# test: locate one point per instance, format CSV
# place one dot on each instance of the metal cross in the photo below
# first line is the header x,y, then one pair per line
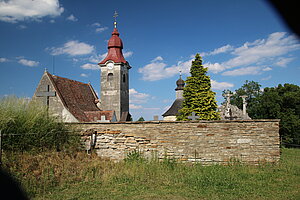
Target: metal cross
x,y
47,93
115,16
193,116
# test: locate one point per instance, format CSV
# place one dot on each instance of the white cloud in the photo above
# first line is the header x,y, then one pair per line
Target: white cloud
x,y
22,26
266,69
3,60
282,62
136,97
73,48
101,29
158,58
133,106
157,70
220,85
153,71
248,58
214,67
127,54
261,50
72,18
253,70
90,66
19,10
96,24
29,63
219,50
83,75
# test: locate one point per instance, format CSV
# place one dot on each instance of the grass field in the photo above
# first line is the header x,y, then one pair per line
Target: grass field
x,y
80,176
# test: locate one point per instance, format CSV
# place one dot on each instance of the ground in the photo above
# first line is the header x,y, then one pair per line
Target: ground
x,y
79,176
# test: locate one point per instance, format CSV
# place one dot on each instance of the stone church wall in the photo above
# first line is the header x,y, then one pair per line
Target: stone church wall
x,y
206,142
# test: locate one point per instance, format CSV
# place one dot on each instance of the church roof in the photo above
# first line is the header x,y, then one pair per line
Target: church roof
x,y
79,99
173,110
115,46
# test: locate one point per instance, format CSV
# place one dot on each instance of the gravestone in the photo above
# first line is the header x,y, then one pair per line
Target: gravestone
x,y
232,112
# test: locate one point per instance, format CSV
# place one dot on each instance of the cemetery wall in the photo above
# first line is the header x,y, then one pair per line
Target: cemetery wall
x,y
206,142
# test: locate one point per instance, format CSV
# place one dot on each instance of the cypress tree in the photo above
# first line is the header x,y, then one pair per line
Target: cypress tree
x,y
198,96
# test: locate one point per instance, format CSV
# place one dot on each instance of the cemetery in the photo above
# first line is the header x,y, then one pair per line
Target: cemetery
x,y
70,141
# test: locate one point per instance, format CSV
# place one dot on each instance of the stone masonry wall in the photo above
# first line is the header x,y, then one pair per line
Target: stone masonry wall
x,y
207,142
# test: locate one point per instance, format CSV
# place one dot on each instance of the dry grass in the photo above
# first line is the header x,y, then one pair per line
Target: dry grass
x,y
61,175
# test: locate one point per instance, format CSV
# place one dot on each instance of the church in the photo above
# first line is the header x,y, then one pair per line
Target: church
x,y
74,101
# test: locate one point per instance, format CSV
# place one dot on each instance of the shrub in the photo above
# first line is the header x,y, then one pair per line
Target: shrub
x,y
27,126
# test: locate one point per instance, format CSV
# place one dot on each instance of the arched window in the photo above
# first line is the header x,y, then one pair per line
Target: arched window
x,y
110,78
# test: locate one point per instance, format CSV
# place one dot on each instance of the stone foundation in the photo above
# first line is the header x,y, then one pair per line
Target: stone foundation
x,y
206,142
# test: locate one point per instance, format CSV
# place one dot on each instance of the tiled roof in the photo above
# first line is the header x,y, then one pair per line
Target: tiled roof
x,y
173,110
78,98
96,115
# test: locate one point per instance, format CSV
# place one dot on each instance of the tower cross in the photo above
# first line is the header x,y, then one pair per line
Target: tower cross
x,y
115,16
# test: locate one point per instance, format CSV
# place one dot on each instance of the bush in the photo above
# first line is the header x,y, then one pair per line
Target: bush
x,y
27,126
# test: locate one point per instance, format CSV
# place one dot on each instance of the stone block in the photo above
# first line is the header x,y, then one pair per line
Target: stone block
x,y
243,141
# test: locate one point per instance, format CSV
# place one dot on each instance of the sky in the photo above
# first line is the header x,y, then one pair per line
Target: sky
x,y
238,41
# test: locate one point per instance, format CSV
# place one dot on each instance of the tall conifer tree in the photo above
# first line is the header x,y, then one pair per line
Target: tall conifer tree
x,y
198,96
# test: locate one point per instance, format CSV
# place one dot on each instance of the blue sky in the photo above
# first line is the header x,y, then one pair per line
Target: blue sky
x,y
238,40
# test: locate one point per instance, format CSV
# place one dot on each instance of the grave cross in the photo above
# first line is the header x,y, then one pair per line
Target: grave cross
x,y
193,117
228,95
47,93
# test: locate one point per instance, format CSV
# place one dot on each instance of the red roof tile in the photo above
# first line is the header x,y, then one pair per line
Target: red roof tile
x,y
79,98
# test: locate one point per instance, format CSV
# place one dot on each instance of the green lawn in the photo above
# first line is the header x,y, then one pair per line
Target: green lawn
x,y
88,177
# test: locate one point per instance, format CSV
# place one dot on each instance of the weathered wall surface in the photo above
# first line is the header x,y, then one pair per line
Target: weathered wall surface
x,y
198,141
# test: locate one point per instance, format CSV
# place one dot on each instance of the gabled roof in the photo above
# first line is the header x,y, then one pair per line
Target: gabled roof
x,y
79,99
173,110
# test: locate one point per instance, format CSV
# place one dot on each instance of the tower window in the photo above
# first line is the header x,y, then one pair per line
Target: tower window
x,y
124,78
110,78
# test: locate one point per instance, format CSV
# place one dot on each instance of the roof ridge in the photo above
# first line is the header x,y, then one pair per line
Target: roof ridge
x,y
68,79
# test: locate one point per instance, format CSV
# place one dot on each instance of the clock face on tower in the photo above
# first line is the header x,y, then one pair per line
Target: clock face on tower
x,y
110,65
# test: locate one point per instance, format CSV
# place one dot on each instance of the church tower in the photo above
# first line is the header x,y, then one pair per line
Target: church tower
x,y
115,78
